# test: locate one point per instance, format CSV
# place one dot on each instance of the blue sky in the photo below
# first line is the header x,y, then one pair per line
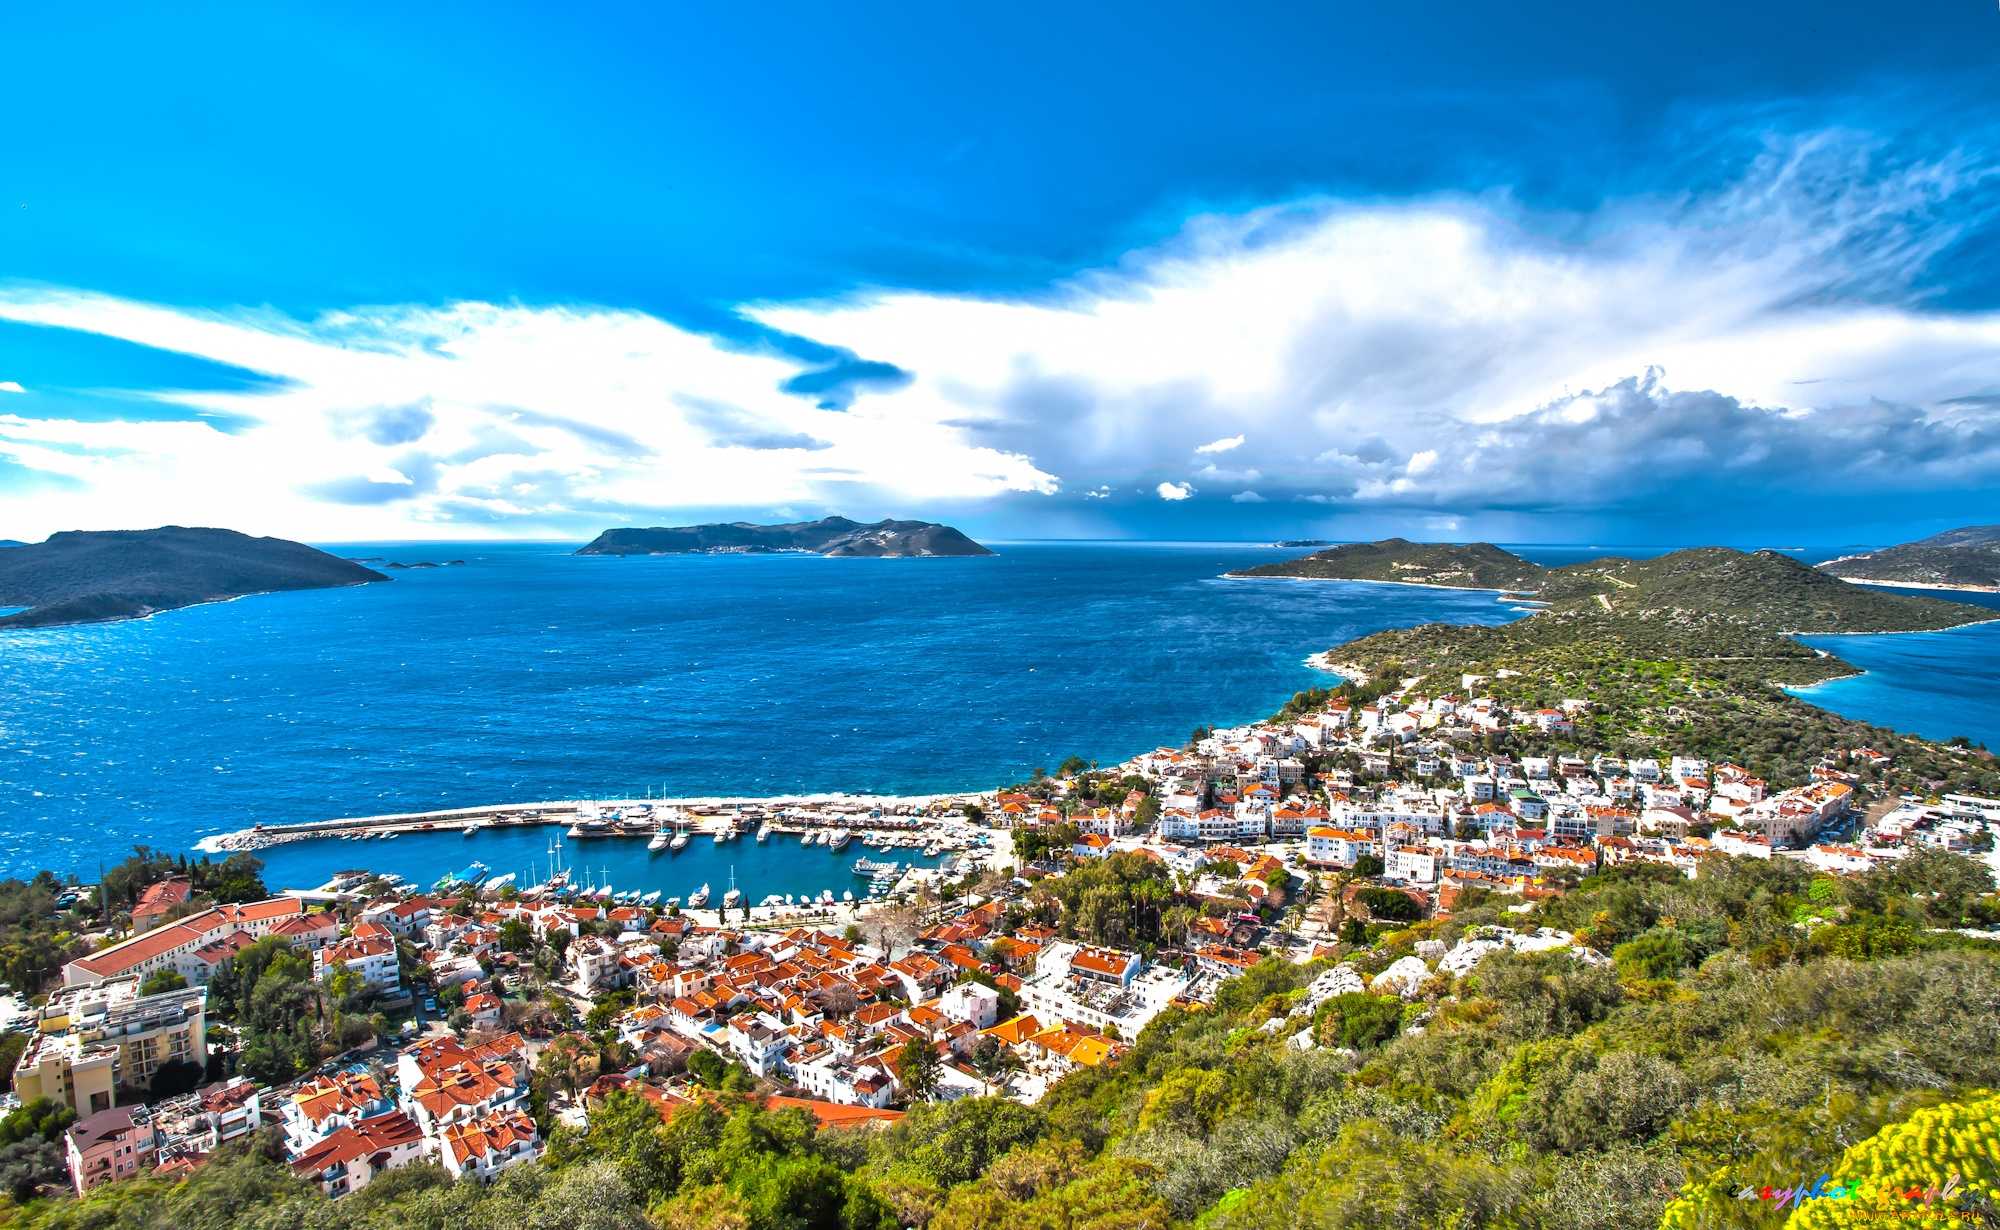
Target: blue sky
x,y
1545,272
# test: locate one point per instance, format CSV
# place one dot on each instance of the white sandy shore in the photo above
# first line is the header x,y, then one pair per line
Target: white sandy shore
x,y
1962,589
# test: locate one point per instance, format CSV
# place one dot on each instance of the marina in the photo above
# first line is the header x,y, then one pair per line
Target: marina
x,y
621,853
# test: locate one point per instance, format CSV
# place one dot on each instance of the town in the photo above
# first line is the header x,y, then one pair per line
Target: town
x,y
465,1025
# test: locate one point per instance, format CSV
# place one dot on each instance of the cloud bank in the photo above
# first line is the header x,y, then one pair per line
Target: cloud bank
x,y
1770,343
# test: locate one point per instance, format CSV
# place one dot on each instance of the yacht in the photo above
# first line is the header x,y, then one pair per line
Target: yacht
x,y
763,832
651,898
698,898
659,842
470,829
734,896
721,835
838,840
679,842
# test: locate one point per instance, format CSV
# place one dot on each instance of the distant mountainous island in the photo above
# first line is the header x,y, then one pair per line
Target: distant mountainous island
x,y
1479,565
1965,558
96,576
831,536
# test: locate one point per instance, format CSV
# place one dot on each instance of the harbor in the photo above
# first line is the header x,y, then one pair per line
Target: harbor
x,y
784,858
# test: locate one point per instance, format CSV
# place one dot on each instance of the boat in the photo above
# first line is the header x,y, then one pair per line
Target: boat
x,y
721,835
591,828
470,829
679,842
869,867
731,898
659,842
698,898
651,898
461,879
763,832
838,840
932,851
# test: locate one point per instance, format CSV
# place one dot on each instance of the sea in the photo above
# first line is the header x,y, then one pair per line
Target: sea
x,y
531,673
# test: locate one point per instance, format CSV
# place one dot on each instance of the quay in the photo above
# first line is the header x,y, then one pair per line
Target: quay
x,y
787,815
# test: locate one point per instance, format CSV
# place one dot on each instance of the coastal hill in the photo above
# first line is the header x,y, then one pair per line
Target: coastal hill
x,y
95,576
1700,639
831,536
1966,558
1479,565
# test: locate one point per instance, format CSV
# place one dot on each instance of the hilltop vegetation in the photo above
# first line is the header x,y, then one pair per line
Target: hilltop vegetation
x,y
1684,654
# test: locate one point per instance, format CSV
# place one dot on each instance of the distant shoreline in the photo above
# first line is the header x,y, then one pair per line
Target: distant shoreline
x,y
1456,589
1958,589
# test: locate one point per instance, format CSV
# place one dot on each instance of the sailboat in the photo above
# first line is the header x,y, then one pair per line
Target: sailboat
x,y
734,895
659,842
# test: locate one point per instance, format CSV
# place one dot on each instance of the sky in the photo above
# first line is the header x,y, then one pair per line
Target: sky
x,y
1551,272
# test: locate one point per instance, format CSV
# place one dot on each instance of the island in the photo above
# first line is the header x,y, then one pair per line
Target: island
x,y
97,576
1480,565
836,537
1964,558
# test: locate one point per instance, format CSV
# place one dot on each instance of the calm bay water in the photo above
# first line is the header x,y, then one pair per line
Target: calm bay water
x,y
531,673
1936,684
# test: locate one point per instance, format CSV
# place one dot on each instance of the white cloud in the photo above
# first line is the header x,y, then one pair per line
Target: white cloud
x,y
10,386
470,419
1337,341
1246,497
1436,356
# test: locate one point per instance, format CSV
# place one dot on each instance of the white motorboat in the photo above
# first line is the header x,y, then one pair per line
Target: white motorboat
x,y
470,829
659,842
679,842
698,898
764,832
838,840
721,835
651,898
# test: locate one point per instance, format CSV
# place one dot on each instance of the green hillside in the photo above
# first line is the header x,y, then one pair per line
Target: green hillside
x,y
1479,565
1684,653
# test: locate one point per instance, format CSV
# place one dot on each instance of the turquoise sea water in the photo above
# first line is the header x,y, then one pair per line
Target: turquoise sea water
x,y
1936,684
532,673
